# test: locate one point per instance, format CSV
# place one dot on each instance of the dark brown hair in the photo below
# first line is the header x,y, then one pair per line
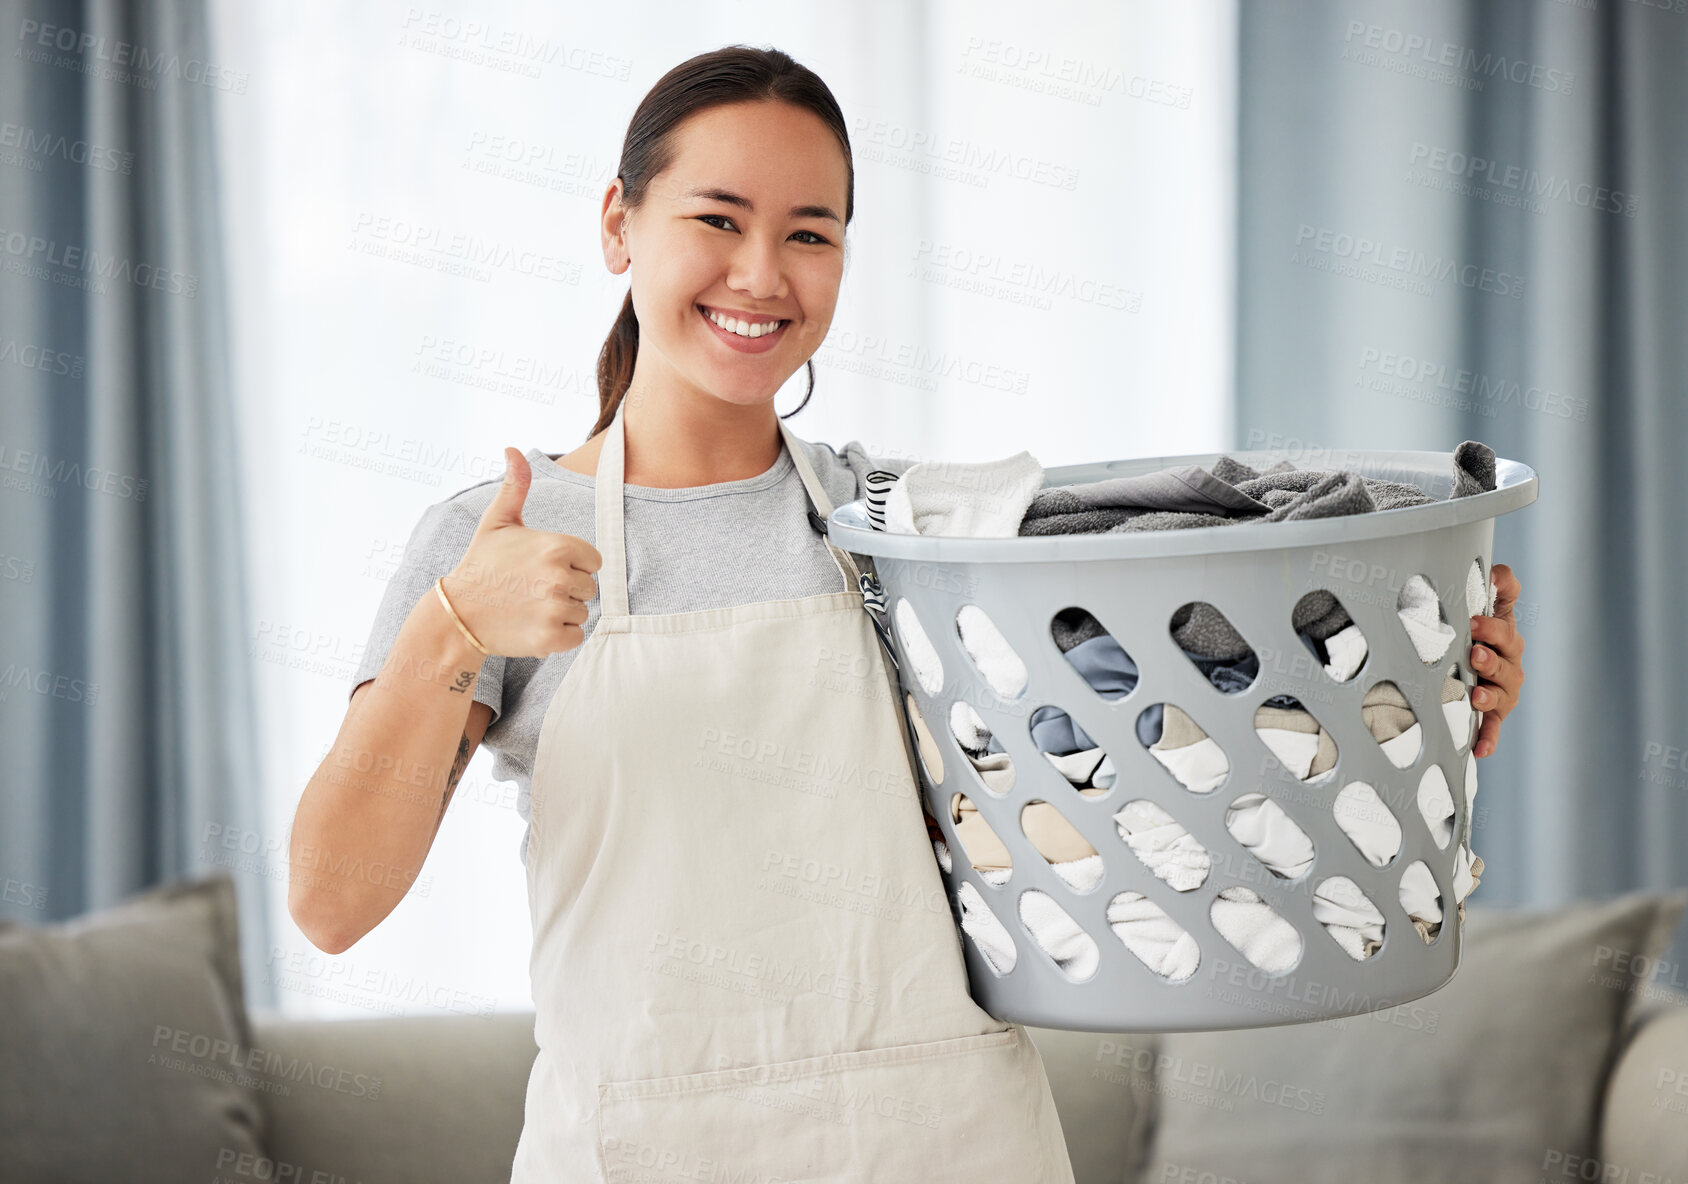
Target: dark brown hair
x,y
732,74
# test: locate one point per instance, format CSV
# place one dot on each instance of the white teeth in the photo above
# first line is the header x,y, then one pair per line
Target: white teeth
x,y
742,328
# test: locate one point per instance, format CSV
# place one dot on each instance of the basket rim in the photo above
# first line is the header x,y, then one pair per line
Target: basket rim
x,y
1516,484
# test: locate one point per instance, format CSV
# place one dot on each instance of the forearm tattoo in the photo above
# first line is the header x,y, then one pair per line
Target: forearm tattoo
x,y
464,682
457,767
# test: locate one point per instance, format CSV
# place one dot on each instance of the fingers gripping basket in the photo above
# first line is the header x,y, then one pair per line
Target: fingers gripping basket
x,y
1133,584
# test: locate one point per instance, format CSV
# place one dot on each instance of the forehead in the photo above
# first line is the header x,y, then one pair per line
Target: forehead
x,y
775,149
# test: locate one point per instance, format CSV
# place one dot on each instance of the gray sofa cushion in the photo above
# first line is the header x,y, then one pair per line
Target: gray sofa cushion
x,y
116,1044
1104,1087
418,1100
1644,1128
1488,1079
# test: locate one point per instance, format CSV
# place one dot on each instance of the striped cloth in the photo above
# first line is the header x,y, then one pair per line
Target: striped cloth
x,y
873,596
877,485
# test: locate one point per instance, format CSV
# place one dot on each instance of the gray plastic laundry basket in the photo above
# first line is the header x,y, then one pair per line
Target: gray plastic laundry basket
x,y
1132,583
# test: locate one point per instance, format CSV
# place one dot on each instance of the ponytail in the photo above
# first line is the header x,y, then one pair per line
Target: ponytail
x,y
615,364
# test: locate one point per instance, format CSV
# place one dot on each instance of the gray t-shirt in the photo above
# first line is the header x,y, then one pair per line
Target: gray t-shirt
x,y
699,547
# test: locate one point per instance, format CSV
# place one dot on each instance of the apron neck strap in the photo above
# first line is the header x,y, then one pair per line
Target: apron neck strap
x,y
609,507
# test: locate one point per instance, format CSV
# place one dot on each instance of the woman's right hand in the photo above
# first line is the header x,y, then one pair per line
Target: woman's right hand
x,y
522,592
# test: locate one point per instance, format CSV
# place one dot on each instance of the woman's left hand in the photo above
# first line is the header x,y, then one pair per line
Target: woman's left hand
x,y
1498,660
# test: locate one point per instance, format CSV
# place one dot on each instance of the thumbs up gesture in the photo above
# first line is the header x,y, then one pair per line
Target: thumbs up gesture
x,y
522,592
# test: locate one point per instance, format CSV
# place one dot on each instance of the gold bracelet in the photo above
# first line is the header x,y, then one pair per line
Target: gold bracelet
x,y
439,586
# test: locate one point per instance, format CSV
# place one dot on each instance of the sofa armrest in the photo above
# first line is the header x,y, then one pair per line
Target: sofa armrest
x,y
423,1099
1644,1124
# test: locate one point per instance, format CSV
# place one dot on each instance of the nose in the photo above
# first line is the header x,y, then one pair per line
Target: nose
x,y
755,269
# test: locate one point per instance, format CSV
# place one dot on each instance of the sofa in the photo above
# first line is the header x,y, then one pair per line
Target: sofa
x,y
1559,1051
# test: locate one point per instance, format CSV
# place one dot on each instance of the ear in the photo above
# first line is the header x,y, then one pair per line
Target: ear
x,y
612,229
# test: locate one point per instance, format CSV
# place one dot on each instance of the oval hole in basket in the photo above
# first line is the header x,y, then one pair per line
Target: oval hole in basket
x,y
1362,936
1296,737
1392,723
985,930
1162,845
995,659
927,668
1257,822
987,853
1173,738
1078,758
1257,930
1436,805
1457,710
1154,939
931,760
1339,652
1420,611
1477,589
1061,844
994,766
1231,674
1470,789
1092,651
1368,822
1421,900
1054,932
1467,865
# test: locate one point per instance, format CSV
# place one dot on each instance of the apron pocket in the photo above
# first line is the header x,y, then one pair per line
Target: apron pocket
x,y
968,1108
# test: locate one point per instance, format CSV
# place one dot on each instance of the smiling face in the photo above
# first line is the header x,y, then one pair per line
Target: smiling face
x,y
747,221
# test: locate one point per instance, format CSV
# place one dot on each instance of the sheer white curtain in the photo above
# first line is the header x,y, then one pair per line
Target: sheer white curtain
x,y
1041,258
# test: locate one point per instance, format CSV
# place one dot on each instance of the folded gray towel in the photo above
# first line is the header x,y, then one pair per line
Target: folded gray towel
x,y
1188,489
1283,492
1187,496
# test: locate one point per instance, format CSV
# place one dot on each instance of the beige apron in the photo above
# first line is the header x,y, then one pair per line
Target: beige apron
x,y
744,965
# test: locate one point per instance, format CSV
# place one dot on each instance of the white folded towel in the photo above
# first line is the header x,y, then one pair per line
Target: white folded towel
x,y
1350,917
1073,950
1200,767
1163,845
1255,928
979,500
1436,803
1368,822
1159,942
969,727
985,644
1480,592
1260,824
1420,611
1418,894
918,646
1346,649
1458,713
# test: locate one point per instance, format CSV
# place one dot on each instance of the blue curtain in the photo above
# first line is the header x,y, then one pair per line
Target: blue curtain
x,y
126,696
1467,220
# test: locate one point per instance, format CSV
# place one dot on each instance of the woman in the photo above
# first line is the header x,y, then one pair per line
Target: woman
x,y
704,1008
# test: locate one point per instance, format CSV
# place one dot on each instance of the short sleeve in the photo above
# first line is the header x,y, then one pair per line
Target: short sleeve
x,y
437,544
